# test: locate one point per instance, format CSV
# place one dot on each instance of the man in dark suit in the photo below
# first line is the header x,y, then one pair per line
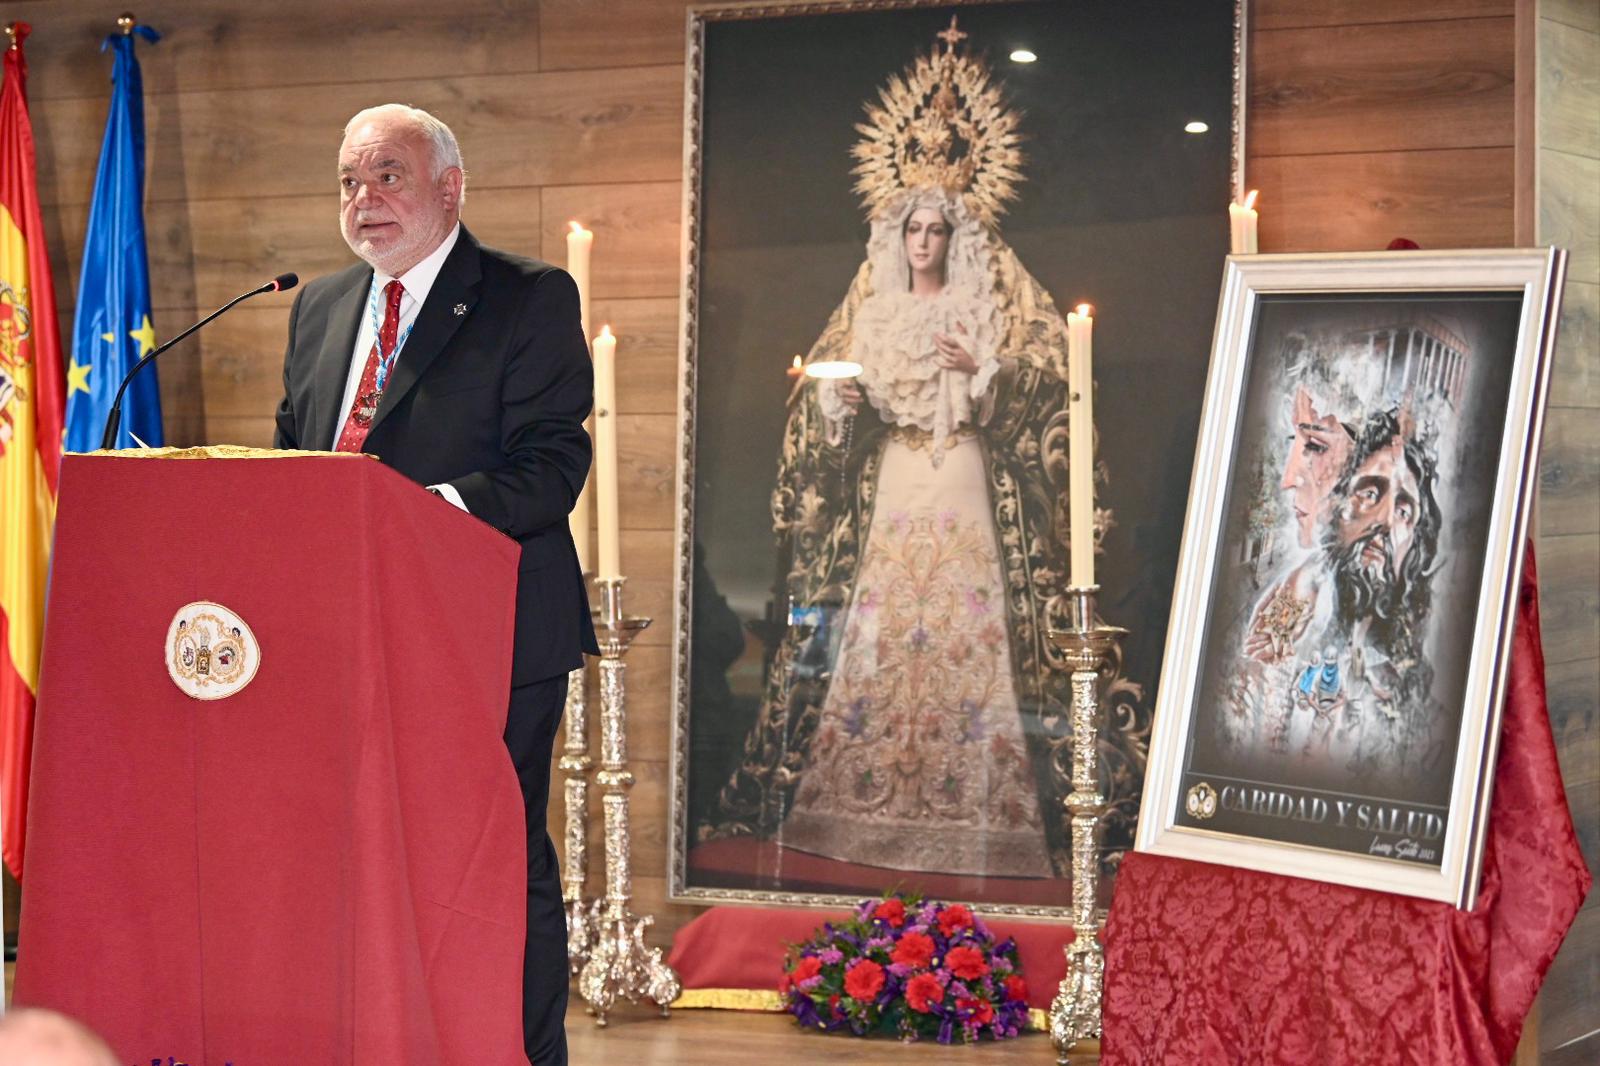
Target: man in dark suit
x,y
466,370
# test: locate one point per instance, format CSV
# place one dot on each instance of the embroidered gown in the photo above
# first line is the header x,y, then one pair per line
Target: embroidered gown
x,y
920,723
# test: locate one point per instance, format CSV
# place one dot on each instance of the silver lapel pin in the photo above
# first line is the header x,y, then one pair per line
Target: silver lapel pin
x,y
460,309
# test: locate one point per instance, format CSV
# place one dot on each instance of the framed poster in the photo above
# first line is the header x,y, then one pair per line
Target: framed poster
x,y
1330,702
869,565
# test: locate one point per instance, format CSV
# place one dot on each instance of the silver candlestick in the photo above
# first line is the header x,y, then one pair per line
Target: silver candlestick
x,y
1088,646
619,963
575,763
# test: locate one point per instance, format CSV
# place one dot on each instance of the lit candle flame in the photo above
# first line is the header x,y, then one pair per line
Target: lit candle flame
x,y
577,227
1250,200
1085,310
605,331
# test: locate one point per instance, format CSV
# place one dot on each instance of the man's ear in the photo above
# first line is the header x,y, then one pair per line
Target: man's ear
x,y
450,185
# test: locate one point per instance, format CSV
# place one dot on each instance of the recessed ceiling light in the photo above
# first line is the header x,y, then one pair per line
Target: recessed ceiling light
x,y
1022,55
1196,127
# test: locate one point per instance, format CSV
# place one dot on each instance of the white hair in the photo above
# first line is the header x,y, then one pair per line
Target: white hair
x,y
446,152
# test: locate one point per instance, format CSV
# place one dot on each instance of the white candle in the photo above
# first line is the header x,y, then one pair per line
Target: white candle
x,y
579,243
1242,220
605,424
1080,444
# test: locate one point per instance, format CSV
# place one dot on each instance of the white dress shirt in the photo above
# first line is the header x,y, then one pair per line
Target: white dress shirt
x,y
416,282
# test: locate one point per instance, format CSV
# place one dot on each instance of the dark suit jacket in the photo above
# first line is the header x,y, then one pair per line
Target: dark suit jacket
x,y
490,400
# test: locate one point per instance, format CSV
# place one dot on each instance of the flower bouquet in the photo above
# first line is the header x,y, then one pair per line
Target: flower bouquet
x,y
909,968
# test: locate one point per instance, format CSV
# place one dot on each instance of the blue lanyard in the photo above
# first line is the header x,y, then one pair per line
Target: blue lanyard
x,y
385,361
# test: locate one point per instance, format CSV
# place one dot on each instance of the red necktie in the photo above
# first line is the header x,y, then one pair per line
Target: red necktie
x,y
368,394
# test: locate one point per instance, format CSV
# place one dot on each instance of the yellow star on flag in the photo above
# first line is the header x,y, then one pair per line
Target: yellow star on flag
x,y
146,336
78,377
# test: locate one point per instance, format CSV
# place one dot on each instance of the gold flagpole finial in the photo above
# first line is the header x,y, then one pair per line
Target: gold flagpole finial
x,y
126,22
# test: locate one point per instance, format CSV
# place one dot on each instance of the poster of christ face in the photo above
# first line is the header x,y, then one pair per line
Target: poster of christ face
x,y
1356,572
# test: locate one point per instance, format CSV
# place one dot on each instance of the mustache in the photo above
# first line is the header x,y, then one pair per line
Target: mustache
x,y
1378,538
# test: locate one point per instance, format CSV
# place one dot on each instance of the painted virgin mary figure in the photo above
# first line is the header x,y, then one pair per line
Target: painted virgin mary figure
x,y
916,718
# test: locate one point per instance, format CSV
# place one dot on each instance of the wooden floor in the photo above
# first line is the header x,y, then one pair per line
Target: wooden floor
x,y
639,1036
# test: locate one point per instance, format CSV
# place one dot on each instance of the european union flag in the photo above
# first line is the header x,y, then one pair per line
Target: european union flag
x,y
112,330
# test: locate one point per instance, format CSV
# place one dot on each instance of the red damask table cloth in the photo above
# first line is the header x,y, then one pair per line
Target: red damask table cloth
x,y
1209,964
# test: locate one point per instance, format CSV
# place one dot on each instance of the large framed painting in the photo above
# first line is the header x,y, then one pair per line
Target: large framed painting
x,y
911,194
1336,665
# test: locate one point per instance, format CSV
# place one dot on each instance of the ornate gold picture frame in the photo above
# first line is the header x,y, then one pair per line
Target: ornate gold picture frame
x,y
1336,666
865,695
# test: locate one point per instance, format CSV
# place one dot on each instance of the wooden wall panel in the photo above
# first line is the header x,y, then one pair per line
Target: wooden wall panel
x,y
224,44
1569,577
1450,198
1575,721
1399,87
1569,473
639,252
1569,84
1288,14
626,33
647,353
1569,210
516,130
1578,14
1575,378
1565,148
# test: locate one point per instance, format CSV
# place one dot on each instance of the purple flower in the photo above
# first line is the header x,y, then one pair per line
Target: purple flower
x,y
809,983
879,942
973,728
806,1011
831,957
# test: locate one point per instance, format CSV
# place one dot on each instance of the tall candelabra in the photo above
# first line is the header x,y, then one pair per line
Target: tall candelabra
x,y
1088,645
619,964
576,764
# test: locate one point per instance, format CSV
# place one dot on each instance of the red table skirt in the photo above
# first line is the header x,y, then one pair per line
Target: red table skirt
x,y
1210,964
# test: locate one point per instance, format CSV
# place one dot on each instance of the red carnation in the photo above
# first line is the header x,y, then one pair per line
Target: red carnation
x,y
923,991
966,963
863,981
891,911
954,918
1016,988
914,950
807,967
978,1010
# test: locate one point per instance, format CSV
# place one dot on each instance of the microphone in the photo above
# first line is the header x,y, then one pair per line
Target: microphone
x,y
108,439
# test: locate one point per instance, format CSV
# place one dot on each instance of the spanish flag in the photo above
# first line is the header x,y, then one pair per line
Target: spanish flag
x,y
31,409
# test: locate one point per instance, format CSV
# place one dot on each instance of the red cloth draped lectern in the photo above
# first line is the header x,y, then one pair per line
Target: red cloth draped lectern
x,y
1210,964
327,865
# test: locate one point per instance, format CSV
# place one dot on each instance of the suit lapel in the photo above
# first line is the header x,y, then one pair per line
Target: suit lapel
x,y
454,293
333,368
